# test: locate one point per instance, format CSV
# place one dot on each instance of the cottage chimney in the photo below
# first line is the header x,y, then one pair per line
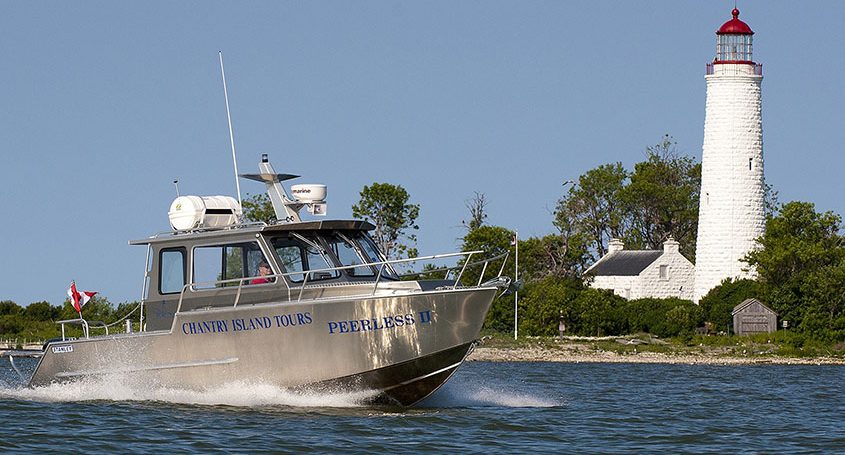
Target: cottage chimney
x,y
670,246
615,245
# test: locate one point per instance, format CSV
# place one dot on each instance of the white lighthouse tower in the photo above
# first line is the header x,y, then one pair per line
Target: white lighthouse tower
x,y
730,215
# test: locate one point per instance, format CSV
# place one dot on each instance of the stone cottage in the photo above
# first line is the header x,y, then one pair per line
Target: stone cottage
x,y
635,274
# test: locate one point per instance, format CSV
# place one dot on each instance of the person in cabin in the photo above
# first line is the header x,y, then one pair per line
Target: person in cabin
x,y
263,271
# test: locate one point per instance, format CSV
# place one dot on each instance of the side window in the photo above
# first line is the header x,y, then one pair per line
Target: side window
x,y
171,277
217,266
291,260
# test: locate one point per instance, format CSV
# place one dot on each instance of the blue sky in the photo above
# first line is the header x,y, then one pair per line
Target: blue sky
x,y
104,104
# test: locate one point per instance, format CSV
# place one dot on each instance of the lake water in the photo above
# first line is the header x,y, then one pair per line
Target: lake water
x,y
486,408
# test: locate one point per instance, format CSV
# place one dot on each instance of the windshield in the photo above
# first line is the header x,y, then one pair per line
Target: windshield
x,y
302,255
371,252
348,253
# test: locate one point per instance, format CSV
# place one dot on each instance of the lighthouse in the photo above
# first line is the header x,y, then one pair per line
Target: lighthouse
x,y
730,214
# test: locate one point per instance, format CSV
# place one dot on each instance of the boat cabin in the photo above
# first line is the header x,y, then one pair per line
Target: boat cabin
x,y
220,268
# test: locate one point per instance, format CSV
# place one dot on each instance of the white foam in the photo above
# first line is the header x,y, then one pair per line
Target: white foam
x,y
240,393
468,396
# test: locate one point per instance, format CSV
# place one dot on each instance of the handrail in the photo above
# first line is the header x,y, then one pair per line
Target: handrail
x,y
78,321
308,274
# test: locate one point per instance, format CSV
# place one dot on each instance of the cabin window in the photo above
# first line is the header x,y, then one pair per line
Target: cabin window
x,y
172,270
371,250
347,252
297,256
217,266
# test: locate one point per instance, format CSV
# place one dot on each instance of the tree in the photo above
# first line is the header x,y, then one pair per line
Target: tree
x,y
41,311
593,207
799,265
258,208
552,256
9,307
387,207
662,199
494,241
544,302
477,207
644,208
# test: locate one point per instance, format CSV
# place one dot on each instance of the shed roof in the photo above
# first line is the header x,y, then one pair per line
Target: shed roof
x,y
624,263
748,303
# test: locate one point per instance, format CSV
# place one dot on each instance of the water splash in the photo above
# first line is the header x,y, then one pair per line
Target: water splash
x,y
240,393
468,395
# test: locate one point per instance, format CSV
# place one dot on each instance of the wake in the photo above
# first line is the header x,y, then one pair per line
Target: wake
x,y
467,395
239,394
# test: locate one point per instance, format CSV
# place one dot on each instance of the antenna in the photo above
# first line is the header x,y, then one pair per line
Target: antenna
x,y
231,135
176,184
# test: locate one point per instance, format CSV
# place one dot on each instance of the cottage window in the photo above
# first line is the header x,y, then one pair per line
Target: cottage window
x,y
664,272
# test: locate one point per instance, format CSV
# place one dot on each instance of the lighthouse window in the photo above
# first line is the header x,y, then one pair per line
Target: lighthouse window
x,y
750,160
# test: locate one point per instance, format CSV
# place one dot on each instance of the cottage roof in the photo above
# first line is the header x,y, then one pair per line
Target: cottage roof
x,y
624,263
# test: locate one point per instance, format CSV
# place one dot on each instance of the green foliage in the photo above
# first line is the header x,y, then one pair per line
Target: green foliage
x,y
41,311
552,255
493,240
7,307
662,199
645,207
593,207
387,207
801,270
719,303
37,321
258,208
544,302
596,312
662,317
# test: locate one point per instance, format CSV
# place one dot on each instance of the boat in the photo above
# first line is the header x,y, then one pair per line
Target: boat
x,y
330,313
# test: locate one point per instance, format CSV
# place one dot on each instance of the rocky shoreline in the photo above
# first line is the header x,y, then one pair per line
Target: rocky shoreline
x,y
575,353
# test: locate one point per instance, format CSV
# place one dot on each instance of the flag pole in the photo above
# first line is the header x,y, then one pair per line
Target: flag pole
x,y
516,292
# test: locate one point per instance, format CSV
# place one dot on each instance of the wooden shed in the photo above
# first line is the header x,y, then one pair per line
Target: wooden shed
x,y
751,316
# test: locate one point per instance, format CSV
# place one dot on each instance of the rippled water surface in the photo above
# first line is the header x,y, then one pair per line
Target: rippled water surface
x,y
486,408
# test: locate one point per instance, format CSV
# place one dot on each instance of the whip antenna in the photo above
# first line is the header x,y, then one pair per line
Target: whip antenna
x,y
231,135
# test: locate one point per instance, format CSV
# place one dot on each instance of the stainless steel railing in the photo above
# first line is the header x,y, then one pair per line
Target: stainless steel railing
x,y
382,266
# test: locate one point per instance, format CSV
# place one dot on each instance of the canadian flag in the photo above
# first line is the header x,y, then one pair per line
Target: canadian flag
x,y
79,299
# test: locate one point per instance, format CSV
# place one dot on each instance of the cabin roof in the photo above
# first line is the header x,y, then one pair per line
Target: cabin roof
x,y
322,225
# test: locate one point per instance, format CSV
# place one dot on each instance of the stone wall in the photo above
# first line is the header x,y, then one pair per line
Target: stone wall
x,y
680,281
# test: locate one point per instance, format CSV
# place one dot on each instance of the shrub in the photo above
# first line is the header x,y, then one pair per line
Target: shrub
x,y
719,303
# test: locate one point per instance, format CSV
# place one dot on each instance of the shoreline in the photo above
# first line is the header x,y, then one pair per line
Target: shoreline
x,y
573,353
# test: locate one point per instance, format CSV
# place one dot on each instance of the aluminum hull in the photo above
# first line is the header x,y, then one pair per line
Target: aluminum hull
x,y
400,347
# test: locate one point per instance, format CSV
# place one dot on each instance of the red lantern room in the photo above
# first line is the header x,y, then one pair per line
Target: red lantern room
x,y
733,41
